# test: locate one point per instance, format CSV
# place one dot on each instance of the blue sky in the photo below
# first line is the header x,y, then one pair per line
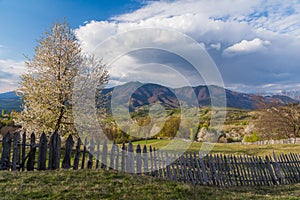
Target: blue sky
x,y
255,44
22,22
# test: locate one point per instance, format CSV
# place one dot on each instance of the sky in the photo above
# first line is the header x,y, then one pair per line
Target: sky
x,y
255,45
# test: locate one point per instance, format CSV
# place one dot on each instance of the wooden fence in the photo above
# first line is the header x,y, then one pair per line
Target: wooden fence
x,y
282,141
192,168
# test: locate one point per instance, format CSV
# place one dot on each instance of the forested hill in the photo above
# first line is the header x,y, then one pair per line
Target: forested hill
x,y
10,101
150,93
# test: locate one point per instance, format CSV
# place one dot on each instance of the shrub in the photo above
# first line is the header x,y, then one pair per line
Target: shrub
x,y
251,138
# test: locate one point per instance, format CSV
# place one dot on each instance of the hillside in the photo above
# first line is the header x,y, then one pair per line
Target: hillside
x,y
10,101
145,94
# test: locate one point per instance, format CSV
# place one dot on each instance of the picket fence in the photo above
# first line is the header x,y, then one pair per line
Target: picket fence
x,y
190,167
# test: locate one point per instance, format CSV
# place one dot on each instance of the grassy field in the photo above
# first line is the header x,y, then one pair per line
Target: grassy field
x,y
98,184
237,149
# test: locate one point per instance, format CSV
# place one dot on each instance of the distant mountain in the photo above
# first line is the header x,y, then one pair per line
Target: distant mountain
x,y
283,99
10,101
145,94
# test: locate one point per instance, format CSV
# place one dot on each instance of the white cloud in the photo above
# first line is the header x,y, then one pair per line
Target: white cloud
x,y
10,72
266,33
216,46
246,46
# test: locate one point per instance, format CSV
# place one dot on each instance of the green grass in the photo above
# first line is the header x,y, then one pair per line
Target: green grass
x,y
99,184
237,149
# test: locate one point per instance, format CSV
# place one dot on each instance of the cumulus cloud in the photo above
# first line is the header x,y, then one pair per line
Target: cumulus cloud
x,y
10,71
216,46
246,46
265,33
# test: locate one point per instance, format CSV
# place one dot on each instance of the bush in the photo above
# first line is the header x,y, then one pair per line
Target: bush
x,y
251,138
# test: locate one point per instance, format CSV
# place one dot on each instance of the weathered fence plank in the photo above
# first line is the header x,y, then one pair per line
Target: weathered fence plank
x,y
16,151
123,158
77,154
91,154
42,152
66,164
168,175
83,153
5,158
54,151
151,160
31,156
145,160
138,159
23,150
277,170
98,154
112,156
104,155
130,159
117,155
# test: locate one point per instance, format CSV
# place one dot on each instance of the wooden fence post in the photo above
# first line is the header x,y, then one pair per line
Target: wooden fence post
x,y
16,151
83,153
138,159
91,152
159,163
23,149
5,158
178,176
277,170
54,153
294,168
145,159
112,156
205,177
130,158
238,171
42,152
31,158
98,154
66,164
273,177
155,171
168,175
189,169
151,160
123,158
262,170
117,157
77,154
104,155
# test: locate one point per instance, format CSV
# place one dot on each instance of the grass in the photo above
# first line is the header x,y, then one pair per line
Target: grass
x,y
237,149
99,184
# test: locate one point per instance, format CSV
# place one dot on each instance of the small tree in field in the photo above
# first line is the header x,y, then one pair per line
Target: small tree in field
x,y
47,86
277,120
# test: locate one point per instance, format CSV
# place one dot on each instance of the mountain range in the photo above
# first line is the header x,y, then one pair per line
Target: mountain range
x,y
145,94
151,93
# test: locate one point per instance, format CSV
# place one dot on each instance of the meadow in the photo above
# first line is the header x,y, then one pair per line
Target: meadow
x,y
100,184
232,148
